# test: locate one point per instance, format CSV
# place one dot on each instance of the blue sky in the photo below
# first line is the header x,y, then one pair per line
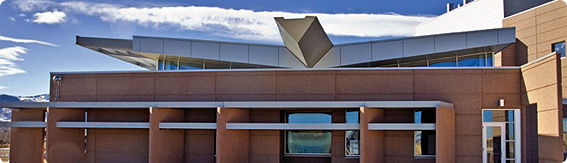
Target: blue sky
x,y
38,36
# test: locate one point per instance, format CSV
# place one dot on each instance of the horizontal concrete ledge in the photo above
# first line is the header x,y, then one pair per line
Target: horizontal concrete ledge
x,y
103,124
24,124
292,126
181,125
243,104
401,126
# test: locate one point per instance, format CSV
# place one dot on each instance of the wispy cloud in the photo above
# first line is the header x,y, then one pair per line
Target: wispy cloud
x,y
17,40
235,23
2,87
49,17
34,5
7,57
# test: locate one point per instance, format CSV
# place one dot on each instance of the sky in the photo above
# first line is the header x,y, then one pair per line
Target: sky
x,y
38,36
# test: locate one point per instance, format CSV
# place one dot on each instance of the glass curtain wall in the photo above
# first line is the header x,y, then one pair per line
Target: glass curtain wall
x,y
174,65
471,60
308,142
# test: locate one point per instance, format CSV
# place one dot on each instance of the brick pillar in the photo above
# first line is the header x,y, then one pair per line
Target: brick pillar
x,y
232,145
26,144
445,135
166,145
371,142
65,144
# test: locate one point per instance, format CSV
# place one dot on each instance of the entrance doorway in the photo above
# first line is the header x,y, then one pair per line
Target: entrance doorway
x,y
493,142
500,136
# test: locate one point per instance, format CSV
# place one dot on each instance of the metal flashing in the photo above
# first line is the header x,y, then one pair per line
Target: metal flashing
x,y
231,104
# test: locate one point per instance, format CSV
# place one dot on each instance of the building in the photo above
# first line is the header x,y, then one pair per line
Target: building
x,y
473,95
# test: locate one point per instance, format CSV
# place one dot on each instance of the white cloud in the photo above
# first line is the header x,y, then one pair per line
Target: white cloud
x,y
17,40
33,5
2,87
49,17
22,15
242,24
12,19
1,2
7,57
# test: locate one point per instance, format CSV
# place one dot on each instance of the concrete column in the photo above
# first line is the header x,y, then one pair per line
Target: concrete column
x,y
232,145
445,135
26,144
371,142
65,144
338,138
166,145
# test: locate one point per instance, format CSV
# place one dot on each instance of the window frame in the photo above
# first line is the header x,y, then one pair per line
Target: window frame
x,y
345,145
564,119
286,154
414,148
517,122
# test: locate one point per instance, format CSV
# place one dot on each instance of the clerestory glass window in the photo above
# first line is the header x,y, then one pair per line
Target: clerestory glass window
x,y
445,62
308,141
160,64
170,65
472,61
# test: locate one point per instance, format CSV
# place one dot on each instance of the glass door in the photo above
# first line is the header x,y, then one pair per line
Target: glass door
x,y
493,142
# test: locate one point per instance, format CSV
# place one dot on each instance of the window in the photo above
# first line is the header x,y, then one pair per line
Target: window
x,y
472,61
308,141
414,64
559,48
424,141
170,65
489,60
564,134
160,64
187,66
352,137
446,62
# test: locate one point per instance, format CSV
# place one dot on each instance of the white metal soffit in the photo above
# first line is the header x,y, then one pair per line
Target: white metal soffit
x,y
244,104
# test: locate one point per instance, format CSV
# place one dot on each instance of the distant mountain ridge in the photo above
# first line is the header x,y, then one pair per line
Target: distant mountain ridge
x,y
6,113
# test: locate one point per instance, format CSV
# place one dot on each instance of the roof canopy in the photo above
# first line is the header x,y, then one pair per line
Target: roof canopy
x,y
306,46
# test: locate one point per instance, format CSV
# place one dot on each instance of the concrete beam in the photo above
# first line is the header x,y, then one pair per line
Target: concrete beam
x,y
292,126
103,125
24,124
182,125
401,126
